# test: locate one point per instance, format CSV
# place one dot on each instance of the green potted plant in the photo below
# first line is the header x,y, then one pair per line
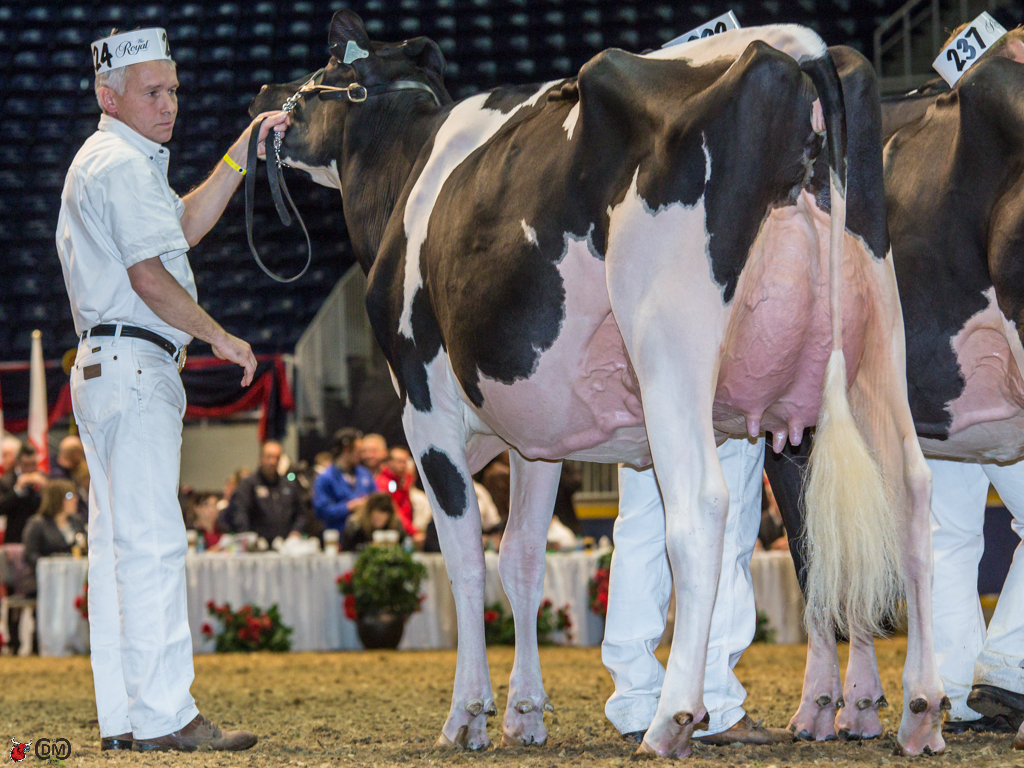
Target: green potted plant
x,y
381,591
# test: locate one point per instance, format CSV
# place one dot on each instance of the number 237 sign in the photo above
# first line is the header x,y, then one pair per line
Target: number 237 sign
x,y
967,47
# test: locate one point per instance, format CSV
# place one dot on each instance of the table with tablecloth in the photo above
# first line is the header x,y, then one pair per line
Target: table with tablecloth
x,y
305,590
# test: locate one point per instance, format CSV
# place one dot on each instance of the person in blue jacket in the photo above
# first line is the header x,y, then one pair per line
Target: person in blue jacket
x,y
344,485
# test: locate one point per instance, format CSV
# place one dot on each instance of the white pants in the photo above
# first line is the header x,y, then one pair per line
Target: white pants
x,y
641,586
965,656
129,418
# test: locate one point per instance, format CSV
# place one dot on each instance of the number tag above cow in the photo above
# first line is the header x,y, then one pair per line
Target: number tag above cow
x,y
967,47
716,26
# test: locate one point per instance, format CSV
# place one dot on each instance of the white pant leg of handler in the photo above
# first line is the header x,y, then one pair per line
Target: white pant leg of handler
x,y
129,418
1001,661
959,490
641,585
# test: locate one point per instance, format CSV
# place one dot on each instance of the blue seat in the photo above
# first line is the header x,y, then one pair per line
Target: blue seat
x,y
20,105
110,14
72,36
59,105
29,59
149,14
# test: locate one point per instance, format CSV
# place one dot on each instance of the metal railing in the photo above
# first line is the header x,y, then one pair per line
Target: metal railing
x,y
600,482
907,42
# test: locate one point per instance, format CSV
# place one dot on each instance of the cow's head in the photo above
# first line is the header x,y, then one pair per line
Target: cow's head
x,y
380,72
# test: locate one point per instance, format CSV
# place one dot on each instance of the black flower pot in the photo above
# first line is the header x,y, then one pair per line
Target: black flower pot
x,y
381,630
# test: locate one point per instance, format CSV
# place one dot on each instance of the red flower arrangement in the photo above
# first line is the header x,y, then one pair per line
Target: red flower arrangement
x,y
500,628
82,601
384,580
248,629
597,589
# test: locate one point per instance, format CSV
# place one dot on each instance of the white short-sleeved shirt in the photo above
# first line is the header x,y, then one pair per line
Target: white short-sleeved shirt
x,y
117,209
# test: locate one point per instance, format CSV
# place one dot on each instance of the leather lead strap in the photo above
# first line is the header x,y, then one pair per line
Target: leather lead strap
x,y
275,175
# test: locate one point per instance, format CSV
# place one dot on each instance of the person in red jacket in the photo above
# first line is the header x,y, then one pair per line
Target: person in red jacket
x,y
395,480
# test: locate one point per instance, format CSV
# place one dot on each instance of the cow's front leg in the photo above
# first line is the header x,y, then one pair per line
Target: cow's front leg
x,y
862,692
439,450
822,692
534,485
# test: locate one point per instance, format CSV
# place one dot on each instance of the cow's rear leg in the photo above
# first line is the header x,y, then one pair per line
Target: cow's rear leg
x,y
878,400
862,692
438,445
822,692
534,485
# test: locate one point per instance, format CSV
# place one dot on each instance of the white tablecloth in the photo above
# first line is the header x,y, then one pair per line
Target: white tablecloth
x,y
305,590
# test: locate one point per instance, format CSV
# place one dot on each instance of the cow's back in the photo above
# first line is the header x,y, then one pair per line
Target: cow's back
x,y
957,225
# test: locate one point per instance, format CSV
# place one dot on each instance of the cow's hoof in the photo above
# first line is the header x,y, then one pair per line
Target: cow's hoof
x,y
1018,743
466,726
815,719
673,736
860,722
921,727
523,725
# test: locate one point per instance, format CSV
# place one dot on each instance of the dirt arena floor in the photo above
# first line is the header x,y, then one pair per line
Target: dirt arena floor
x,y
386,708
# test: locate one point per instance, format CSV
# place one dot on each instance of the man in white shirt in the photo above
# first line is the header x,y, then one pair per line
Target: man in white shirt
x,y
123,237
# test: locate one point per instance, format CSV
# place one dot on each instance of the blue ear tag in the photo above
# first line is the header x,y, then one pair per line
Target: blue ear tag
x,y
353,52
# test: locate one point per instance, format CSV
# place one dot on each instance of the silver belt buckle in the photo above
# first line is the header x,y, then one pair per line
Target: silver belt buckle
x,y
181,356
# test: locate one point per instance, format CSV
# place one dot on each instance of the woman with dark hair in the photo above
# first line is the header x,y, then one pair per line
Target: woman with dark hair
x,y
376,514
52,530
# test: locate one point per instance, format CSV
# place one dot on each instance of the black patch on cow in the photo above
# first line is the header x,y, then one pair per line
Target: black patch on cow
x,y
446,481
957,226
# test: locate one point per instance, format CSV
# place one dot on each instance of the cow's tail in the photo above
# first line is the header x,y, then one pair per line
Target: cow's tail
x,y
854,572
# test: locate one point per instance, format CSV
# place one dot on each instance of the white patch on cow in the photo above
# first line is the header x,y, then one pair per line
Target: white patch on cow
x,y
531,233
571,119
325,176
467,127
798,42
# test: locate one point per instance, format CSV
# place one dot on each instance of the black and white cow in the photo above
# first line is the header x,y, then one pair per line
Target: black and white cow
x,y
628,266
955,200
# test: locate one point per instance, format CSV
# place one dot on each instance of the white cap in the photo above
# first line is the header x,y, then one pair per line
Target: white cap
x,y
130,48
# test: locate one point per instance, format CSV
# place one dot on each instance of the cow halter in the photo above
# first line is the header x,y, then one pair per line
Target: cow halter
x,y
354,93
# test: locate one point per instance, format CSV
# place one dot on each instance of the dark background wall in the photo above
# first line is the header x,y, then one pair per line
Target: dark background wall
x,y
225,50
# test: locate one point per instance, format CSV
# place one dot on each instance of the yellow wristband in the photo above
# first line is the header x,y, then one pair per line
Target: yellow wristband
x,y
233,165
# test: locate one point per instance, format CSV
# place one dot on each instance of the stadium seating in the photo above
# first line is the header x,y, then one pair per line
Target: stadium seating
x,y
225,51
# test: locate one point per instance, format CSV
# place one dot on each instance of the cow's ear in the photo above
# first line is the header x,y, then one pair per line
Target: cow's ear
x,y
346,27
426,54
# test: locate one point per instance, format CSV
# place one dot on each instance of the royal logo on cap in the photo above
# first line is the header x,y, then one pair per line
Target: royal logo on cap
x,y
130,48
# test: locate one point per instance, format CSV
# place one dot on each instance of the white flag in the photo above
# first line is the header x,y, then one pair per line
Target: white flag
x,y
38,426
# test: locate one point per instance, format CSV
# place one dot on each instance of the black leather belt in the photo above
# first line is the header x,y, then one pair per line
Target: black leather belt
x,y
134,332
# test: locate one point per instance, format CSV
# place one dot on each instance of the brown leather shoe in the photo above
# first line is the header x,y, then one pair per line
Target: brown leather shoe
x,y
199,734
746,731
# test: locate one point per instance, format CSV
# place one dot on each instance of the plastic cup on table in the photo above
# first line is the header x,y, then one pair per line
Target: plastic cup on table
x,y
331,538
192,536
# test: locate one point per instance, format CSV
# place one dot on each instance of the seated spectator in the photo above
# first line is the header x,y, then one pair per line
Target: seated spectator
x,y
491,524
344,486
373,452
496,478
204,520
52,530
267,502
19,493
225,509
377,513
9,448
70,465
394,479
